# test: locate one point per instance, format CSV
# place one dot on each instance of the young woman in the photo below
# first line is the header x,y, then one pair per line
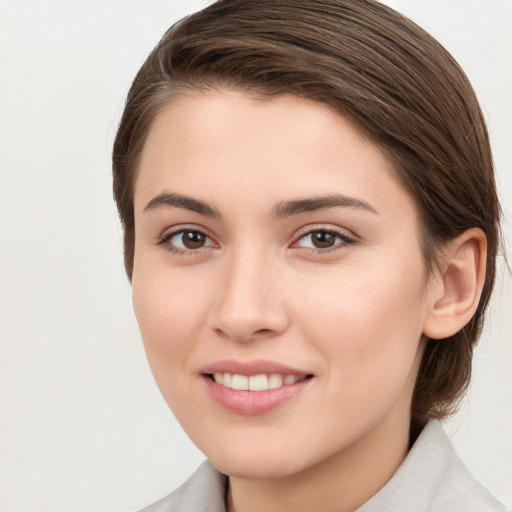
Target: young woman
x,y
311,225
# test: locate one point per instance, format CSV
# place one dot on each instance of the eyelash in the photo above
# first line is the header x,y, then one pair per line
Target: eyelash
x,y
345,240
165,241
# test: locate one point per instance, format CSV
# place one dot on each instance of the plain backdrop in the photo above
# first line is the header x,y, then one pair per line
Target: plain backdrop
x,y
82,425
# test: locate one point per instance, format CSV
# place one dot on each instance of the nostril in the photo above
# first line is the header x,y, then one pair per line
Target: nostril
x,y
248,323
263,331
244,334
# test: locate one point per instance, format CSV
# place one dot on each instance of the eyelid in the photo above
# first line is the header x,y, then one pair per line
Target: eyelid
x,y
348,237
170,232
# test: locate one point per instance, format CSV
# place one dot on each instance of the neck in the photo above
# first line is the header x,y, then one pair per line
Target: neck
x,y
341,483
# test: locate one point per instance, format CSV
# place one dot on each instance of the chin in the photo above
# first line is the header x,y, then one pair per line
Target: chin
x,y
255,470
258,462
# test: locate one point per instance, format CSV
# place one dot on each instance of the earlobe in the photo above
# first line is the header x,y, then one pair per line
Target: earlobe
x,y
459,284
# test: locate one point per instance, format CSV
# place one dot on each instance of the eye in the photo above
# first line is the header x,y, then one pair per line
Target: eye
x,y
186,240
323,239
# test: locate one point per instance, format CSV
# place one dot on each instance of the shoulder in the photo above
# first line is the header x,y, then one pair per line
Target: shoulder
x,y
204,491
433,478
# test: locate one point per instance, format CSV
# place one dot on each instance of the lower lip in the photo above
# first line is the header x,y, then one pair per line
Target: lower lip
x,y
251,403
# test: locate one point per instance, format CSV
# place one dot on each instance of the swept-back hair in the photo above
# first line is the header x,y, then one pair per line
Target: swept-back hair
x,y
396,84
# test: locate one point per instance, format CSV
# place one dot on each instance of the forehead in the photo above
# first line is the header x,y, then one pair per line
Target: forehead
x,y
227,144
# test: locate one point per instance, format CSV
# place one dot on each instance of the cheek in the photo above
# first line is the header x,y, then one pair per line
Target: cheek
x,y
368,322
168,310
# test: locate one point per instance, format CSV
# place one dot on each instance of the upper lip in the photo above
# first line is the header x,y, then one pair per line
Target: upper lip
x,y
253,367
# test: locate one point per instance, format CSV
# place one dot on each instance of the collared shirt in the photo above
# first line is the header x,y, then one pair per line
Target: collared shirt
x,y
432,478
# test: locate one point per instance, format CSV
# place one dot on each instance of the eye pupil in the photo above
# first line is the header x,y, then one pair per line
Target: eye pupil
x,y
193,239
322,239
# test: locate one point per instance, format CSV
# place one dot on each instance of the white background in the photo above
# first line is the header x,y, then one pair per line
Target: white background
x,y
82,425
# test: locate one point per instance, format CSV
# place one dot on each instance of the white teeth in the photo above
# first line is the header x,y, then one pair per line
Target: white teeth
x,y
240,382
275,381
259,382
227,380
290,379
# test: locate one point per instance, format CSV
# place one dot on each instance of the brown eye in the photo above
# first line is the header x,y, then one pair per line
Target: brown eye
x,y
323,239
187,240
193,239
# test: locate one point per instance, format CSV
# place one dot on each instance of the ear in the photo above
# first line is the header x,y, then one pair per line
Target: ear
x,y
456,288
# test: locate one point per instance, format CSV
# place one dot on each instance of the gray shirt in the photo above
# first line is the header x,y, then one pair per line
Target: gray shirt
x,y
432,478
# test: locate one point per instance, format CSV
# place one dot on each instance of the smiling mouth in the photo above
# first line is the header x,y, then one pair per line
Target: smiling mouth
x,y
254,387
260,382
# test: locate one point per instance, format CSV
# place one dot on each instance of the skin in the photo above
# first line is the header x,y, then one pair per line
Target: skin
x,y
354,315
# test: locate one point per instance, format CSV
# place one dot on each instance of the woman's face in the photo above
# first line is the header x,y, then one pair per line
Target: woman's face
x,y
275,250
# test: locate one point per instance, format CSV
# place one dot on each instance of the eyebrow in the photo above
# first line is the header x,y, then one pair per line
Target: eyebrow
x,y
288,208
281,210
181,201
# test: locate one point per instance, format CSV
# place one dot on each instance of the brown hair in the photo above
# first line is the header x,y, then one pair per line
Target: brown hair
x,y
396,83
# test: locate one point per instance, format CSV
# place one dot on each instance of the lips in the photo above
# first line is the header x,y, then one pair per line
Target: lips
x,y
253,387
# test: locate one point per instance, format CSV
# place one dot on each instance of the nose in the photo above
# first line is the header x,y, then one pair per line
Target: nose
x,y
250,301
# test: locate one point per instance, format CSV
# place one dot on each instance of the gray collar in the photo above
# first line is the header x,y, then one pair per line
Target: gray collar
x,y
432,478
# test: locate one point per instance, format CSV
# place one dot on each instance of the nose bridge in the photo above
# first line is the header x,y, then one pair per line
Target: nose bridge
x,y
249,303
